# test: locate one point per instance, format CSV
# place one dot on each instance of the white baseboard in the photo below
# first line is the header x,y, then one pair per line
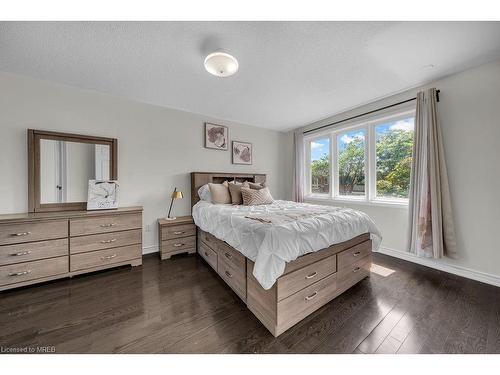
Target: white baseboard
x,y
150,249
450,268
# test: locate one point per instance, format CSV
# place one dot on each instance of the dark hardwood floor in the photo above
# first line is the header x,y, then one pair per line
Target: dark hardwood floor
x,y
181,306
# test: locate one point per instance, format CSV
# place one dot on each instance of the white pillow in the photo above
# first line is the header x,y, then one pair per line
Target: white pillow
x,y
204,193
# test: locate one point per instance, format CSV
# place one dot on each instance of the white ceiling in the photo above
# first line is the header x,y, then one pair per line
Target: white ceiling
x,y
291,73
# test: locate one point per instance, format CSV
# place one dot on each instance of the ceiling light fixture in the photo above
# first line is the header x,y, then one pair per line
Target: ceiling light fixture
x,y
221,64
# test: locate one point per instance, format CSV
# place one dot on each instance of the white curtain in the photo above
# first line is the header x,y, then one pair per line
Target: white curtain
x,y
299,167
431,230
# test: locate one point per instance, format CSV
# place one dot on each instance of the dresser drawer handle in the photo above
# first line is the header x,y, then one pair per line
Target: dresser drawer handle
x,y
356,269
108,225
308,298
356,253
21,253
311,275
21,234
228,256
179,232
20,273
108,257
228,274
109,241
206,254
178,244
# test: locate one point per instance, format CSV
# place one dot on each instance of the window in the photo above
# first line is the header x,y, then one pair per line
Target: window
x,y
320,165
351,163
394,147
367,161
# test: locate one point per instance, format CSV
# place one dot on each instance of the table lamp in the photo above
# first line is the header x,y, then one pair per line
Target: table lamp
x,y
175,195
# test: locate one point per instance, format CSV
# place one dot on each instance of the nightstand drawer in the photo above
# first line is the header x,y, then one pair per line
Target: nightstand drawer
x,y
177,244
177,231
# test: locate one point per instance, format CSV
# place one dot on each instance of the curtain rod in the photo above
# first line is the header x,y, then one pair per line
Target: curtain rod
x,y
367,113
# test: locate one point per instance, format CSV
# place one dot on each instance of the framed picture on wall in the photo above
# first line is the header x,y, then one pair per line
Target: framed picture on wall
x,y
242,153
216,136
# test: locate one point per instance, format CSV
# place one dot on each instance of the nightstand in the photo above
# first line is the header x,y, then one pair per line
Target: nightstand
x,y
176,236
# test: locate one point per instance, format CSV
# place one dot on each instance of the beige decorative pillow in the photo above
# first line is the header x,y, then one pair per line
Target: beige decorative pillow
x,y
235,191
256,185
220,193
252,197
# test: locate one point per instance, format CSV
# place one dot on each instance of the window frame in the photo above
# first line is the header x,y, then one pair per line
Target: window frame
x,y
368,125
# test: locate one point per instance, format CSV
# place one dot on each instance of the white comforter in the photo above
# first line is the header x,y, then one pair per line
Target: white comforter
x,y
272,235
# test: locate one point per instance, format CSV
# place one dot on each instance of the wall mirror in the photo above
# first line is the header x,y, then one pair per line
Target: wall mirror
x,y
61,165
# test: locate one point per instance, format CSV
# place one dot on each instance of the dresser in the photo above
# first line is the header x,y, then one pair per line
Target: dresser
x,y
176,236
43,246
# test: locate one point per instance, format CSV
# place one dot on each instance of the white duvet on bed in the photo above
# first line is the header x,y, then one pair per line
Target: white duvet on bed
x,y
272,235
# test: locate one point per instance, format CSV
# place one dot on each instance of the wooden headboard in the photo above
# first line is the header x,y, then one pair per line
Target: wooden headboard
x,y
198,179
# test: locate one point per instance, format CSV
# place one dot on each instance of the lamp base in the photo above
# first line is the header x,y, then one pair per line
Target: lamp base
x,y
170,218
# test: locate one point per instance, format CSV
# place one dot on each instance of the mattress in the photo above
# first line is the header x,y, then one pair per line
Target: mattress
x,y
275,234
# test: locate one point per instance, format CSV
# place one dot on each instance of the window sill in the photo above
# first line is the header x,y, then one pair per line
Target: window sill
x,y
361,202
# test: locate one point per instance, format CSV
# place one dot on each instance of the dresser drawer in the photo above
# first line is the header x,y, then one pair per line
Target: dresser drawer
x,y
177,231
209,255
210,239
294,308
10,254
105,224
293,282
232,256
100,258
16,273
352,255
348,276
94,242
234,277
178,244
28,232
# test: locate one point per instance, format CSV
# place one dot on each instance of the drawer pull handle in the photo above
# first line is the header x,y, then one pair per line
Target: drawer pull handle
x,y
228,274
21,234
228,256
311,275
178,244
356,253
108,257
206,254
108,225
20,273
308,298
356,269
179,232
21,253
109,241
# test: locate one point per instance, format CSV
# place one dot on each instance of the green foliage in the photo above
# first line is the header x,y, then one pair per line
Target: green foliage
x,y
320,170
352,166
394,158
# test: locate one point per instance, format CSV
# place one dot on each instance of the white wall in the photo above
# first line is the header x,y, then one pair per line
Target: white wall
x,y
157,147
469,113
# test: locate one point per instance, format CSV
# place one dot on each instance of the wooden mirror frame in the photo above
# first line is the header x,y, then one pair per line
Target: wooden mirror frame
x,y
34,137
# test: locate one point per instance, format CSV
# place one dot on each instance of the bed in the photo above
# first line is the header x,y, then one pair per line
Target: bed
x,y
284,260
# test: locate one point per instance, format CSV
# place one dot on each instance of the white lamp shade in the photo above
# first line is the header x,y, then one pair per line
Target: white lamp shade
x,y
221,64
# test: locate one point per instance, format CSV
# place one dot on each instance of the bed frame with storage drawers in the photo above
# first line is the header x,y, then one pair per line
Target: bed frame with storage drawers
x,y
37,247
308,282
